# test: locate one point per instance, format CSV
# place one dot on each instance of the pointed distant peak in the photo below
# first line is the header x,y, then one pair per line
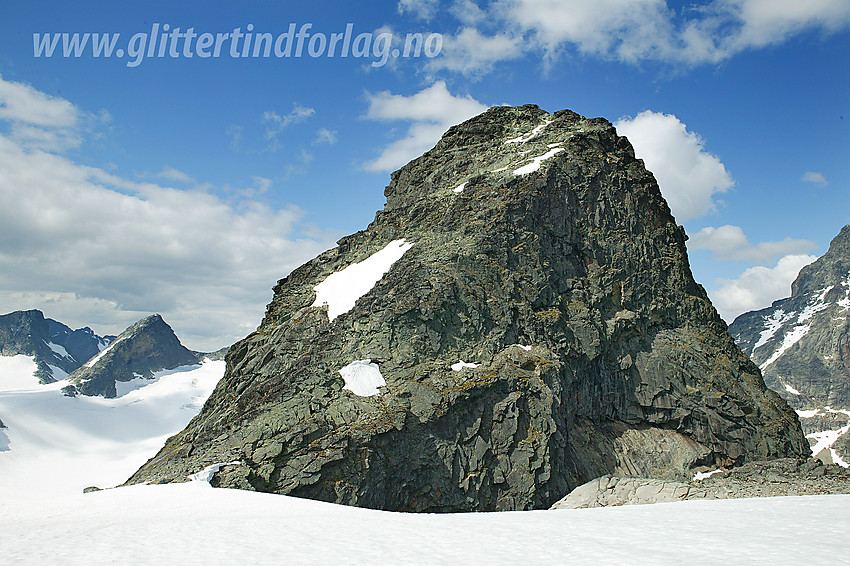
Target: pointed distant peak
x,y
832,268
152,320
841,241
155,318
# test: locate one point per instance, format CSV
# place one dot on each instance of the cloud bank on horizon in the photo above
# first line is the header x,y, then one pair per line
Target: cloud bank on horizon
x,y
92,246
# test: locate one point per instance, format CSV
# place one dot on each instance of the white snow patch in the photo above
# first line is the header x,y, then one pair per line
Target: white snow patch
x,y
462,364
815,306
790,389
124,387
535,163
533,134
703,475
555,144
57,372
789,340
189,523
837,459
807,414
526,348
772,324
206,475
826,438
102,353
59,350
500,169
363,378
341,290
58,445
459,188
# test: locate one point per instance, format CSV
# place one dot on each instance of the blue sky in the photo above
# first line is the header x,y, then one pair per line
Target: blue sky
x,y
188,186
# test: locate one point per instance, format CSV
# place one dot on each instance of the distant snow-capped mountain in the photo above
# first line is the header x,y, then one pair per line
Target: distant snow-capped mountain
x,y
144,348
56,349
95,365
802,346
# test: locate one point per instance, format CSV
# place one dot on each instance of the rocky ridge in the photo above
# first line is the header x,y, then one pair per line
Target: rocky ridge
x,y
802,345
519,319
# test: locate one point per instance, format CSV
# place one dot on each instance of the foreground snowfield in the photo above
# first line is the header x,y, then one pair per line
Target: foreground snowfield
x,y
56,445
193,523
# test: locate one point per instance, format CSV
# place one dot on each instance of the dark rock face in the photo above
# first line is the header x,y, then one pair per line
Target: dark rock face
x,y
802,343
568,284
146,347
31,334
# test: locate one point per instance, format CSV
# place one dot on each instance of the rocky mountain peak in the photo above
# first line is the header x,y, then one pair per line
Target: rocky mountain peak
x,y
832,268
145,347
518,319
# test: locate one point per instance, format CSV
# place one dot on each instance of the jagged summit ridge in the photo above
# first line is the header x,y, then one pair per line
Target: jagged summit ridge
x,y
56,349
543,328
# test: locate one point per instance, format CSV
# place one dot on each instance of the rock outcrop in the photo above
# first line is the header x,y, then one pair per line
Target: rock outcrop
x,y
613,491
802,345
147,346
775,478
519,319
56,349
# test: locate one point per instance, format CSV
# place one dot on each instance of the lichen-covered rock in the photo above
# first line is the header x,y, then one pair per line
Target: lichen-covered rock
x,y
543,257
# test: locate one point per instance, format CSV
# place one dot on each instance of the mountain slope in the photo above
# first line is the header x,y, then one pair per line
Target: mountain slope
x,y
57,349
802,345
518,319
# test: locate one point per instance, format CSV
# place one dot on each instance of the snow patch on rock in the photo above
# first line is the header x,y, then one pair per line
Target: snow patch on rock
x,y
340,290
537,161
363,378
206,475
462,364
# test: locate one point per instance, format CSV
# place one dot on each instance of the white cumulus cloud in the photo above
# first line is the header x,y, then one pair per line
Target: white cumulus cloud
x,y
93,248
472,53
757,287
730,243
423,9
634,31
688,175
430,113
276,124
